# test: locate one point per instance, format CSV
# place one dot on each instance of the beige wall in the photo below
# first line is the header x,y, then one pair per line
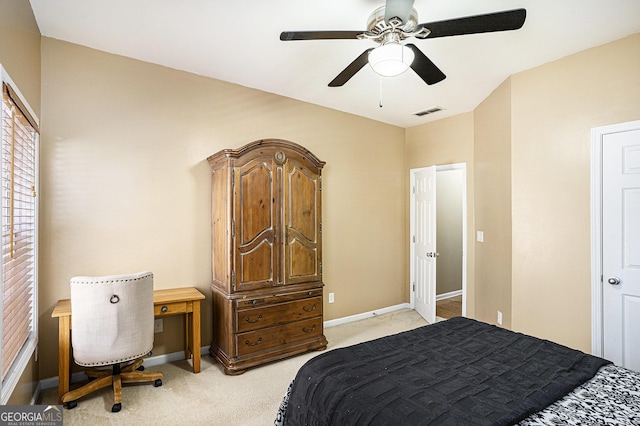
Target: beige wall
x,y
554,108
20,48
446,141
492,138
126,182
20,57
528,149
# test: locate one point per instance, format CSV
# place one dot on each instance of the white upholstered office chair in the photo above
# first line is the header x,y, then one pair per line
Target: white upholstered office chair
x,y
111,325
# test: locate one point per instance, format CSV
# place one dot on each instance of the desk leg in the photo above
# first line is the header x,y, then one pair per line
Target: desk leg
x,y
64,355
188,341
195,340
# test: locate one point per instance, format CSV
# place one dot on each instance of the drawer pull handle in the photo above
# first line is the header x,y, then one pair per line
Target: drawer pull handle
x,y
246,342
309,330
164,309
253,321
313,308
255,301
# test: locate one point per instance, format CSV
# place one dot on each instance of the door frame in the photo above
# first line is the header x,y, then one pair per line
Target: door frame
x,y
412,173
597,306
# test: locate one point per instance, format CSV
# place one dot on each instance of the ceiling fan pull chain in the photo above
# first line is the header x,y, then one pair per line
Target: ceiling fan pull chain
x,y
380,103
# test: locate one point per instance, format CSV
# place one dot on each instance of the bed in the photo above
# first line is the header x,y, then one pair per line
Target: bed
x,y
460,372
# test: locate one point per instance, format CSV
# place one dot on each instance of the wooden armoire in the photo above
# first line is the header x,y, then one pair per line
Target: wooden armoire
x,y
266,253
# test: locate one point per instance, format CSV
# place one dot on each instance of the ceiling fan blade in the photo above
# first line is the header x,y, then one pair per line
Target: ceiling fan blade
x,y
351,69
319,35
397,8
427,70
490,22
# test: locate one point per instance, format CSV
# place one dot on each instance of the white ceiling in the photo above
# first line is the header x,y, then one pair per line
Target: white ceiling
x,y
238,41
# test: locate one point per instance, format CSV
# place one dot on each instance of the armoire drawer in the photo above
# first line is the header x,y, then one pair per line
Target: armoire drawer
x,y
282,313
256,302
267,338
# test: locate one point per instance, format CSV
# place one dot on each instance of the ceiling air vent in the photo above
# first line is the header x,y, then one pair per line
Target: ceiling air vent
x,y
428,111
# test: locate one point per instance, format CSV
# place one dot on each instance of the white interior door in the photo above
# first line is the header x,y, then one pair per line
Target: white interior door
x,y
621,247
423,242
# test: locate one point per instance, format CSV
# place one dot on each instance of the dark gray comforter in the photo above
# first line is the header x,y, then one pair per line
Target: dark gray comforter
x,y
455,372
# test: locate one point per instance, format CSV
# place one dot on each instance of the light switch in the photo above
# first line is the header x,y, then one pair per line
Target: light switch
x,y
480,236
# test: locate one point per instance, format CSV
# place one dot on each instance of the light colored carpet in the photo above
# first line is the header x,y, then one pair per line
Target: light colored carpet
x,y
211,397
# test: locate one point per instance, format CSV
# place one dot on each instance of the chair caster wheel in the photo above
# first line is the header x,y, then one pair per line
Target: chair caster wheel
x,y
157,383
141,368
116,407
71,405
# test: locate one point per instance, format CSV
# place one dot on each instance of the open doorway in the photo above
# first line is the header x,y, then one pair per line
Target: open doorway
x,y
449,220
438,227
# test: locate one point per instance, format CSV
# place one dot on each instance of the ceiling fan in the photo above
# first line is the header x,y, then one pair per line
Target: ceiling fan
x,y
397,20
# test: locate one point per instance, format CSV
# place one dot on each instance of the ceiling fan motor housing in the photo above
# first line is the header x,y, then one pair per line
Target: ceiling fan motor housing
x,y
394,30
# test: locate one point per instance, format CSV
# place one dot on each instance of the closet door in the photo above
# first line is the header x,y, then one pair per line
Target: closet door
x,y
255,225
302,220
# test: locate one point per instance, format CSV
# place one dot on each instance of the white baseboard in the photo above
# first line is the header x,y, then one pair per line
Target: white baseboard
x,y
152,361
36,394
52,382
448,295
365,315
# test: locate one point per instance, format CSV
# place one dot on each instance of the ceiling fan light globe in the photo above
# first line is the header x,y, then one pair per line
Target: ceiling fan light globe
x,y
391,59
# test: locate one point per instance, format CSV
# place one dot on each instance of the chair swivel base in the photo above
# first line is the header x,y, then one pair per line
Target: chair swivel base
x,y
104,378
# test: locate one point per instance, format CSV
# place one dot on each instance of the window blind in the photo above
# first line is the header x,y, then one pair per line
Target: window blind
x,y
18,185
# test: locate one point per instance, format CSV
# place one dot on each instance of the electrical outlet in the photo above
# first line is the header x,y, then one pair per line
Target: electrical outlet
x,y
499,317
331,298
157,326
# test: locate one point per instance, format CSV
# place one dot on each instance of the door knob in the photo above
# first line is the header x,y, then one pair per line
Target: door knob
x,y
614,280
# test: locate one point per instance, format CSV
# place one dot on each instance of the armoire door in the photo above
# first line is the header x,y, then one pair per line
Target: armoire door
x,y
303,225
255,225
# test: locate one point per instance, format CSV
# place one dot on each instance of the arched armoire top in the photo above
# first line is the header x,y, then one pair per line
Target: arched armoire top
x,y
267,143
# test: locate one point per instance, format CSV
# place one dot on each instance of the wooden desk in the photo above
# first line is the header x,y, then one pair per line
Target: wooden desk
x,y
173,301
